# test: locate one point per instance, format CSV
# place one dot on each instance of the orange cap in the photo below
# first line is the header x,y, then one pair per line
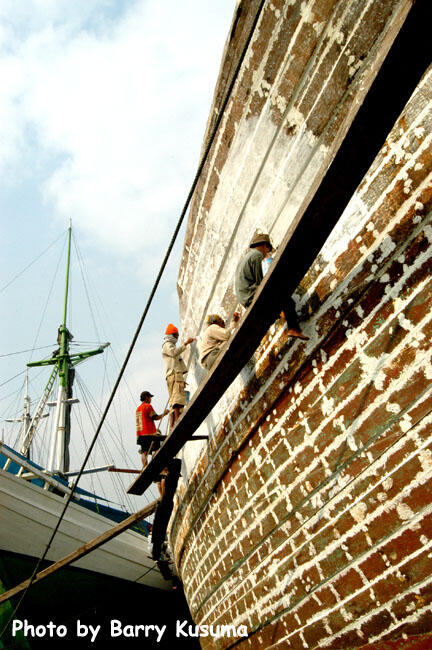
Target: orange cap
x,y
171,329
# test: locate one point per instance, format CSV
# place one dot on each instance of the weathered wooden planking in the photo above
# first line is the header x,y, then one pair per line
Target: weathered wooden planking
x,y
309,518
306,61
344,175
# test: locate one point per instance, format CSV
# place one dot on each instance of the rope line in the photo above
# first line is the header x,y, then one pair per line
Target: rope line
x,y
10,354
12,378
49,295
31,263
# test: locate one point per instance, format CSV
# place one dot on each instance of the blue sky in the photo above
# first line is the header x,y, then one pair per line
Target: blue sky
x,y
102,114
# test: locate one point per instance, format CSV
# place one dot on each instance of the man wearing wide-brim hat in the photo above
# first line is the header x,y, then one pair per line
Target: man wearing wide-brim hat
x,y
249,274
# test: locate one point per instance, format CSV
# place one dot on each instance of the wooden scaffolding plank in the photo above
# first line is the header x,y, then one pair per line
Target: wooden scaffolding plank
x,y
83,550
160,438
392,87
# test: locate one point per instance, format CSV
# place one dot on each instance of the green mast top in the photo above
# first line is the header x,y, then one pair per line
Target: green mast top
x,y
62,357
64,335
63,363
67,273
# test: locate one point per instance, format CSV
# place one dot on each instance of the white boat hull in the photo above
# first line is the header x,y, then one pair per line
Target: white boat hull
x,y
28,515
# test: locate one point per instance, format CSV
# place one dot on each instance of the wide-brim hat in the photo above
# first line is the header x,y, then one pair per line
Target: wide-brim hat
x,y
260,238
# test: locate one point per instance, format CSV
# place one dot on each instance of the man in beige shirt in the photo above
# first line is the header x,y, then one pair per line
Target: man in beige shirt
x,y
175,369
213,338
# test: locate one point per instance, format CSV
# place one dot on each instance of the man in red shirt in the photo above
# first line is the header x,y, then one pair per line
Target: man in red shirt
x,y
145,426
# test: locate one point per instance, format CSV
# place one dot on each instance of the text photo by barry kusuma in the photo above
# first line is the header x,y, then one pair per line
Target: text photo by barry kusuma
x,y
119,631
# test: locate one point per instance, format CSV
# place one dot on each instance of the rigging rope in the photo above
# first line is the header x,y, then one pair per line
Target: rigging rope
x,y
89,289
9,354
118,486
12,378
31,263
19,374
49,296
81,266
87,399
204,157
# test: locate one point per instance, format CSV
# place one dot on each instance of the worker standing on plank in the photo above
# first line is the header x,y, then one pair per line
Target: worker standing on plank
x,y
175,369
145,426
214,337
249,274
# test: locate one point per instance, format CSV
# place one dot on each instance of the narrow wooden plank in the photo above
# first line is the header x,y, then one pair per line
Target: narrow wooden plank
x,y
156,437
83,550
125,471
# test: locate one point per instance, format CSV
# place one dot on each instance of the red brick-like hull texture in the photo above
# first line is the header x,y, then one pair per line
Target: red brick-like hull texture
x,y
307,518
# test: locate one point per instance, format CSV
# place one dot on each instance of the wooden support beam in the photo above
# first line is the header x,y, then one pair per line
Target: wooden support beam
x,y
156,437
358,146
83,550
165,507
125,471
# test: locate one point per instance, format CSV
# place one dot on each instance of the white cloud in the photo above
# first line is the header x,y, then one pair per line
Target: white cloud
x,y
115,103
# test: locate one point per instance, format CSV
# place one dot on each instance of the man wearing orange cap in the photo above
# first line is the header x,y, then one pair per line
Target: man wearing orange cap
x,y
175,369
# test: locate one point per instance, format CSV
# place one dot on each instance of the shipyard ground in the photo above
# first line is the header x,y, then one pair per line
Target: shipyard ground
x,y
80,601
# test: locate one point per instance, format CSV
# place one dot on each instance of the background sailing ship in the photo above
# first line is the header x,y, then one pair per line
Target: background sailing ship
x,y
32,498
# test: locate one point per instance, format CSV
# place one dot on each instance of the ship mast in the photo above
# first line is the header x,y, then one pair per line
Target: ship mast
x,y
25,420
61,428
59,448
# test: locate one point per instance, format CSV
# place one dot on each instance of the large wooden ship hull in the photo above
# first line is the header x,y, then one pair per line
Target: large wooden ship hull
x,y
307,516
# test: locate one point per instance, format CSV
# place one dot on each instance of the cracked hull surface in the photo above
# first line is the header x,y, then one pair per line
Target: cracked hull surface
x,y
308,515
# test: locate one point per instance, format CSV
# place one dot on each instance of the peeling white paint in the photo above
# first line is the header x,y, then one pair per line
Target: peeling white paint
x,y
425,458
358,512
404,511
